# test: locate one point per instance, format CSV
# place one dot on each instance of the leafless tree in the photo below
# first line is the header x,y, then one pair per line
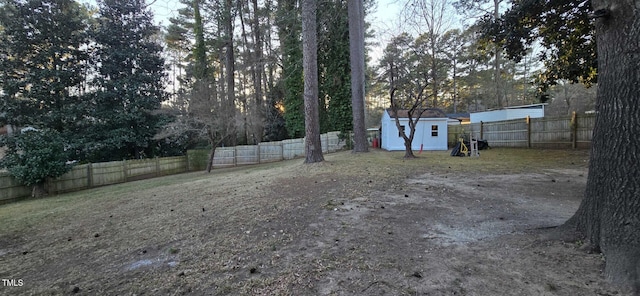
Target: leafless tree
x,y
569,97
475,9
407,86
431,19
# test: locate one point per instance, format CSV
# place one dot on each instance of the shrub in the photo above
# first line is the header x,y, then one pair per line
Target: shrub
x,y
35,155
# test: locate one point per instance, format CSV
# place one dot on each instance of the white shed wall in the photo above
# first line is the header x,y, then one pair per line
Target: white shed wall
x,y
506,114
392,141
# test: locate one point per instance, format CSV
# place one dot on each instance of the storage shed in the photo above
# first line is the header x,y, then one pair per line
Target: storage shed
x,y
431,130
508,113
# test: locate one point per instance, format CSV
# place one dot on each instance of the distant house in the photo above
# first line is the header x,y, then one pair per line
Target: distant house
x,y
458,118
431,130
508,113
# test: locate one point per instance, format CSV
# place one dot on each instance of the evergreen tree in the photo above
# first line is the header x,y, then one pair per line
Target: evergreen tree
x,y
35,155
290,30
275,128
334,66
42,65
334,83
565,29
42,62
130,83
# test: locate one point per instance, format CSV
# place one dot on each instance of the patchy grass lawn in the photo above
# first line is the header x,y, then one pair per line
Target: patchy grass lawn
x,y
356,224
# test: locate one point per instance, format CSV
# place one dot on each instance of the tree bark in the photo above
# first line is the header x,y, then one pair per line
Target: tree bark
x,y
39,190
408,152
408,141
257,71
313,146
609,215
497,63
211,157
212,142
229,64
356,49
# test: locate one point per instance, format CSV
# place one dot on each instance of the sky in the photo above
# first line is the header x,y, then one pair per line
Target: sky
x,y
384,20
164,9
385,23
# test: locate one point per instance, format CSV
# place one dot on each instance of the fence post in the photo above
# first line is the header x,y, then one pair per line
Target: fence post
x,y
528,120
47,186
186,157
326,141
281,150
574,130
124,170
235,156
157,166
259,154
89,175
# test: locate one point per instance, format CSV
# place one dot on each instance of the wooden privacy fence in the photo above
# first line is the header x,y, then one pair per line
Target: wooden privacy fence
x,y
548,132
106,173
99,174
91,175
10,188
272,151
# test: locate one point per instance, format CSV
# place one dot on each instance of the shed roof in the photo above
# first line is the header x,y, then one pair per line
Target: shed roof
x,y
426,113
459,115
530,106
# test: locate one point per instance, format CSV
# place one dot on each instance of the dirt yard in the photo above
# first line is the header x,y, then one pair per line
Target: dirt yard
x,y
357,224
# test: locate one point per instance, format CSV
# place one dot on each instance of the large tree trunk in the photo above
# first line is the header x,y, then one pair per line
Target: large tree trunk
x,y
257,71
496,63
313,146
434,69
356,49
229,64
455,85
609,215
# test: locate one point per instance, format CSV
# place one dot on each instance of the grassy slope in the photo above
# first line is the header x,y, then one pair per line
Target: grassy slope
x,y
209,224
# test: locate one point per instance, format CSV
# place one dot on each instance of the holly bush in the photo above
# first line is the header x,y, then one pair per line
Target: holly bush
x,y
35,155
